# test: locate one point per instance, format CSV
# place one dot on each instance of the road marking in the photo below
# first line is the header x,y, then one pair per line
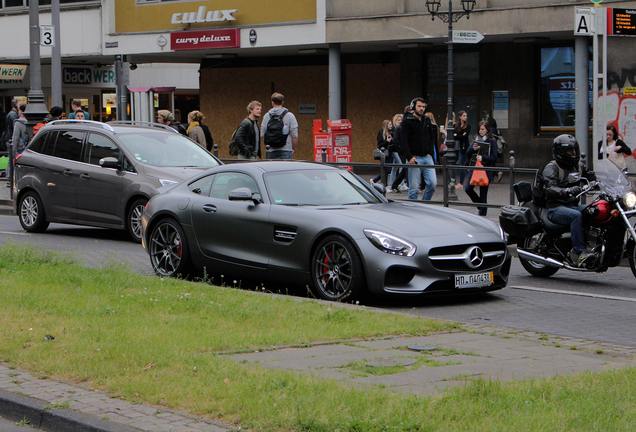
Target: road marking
x,y
14,233
575,293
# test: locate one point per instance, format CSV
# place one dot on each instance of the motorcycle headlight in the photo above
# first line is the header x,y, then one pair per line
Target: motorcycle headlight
x,y
390,244
630,199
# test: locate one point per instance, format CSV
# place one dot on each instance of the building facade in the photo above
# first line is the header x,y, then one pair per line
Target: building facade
x,y
362,60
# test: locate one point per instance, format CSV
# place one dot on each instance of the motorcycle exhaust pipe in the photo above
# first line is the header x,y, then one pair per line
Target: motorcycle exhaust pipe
x,y
551,262
541,260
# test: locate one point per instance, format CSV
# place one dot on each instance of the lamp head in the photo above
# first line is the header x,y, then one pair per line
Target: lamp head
x,y
468,5
433,6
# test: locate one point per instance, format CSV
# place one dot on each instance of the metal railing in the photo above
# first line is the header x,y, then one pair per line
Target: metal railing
x,y
445,168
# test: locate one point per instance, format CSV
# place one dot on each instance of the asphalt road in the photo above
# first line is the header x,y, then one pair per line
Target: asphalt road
x,y
590,306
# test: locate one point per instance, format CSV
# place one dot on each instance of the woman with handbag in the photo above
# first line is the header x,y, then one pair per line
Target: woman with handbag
x,y
616,149
483,152
385,138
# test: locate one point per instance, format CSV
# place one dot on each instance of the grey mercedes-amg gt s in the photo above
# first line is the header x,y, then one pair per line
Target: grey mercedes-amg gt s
x,y
310,224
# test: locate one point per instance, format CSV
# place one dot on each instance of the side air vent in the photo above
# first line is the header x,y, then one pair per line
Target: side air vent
x,y
284,234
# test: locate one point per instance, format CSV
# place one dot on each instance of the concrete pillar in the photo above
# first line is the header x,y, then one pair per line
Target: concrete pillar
x,y
56,57
411,75
582,98
335,82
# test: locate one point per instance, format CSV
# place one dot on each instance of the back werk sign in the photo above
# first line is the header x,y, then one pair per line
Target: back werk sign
x,y
205,39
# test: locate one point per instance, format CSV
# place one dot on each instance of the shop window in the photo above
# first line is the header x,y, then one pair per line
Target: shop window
x,y
558,89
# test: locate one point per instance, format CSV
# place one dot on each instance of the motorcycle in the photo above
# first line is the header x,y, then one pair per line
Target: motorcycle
x,y
543,246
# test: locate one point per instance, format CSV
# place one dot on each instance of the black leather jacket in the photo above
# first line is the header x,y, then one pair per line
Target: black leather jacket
x,y
248,138
555,184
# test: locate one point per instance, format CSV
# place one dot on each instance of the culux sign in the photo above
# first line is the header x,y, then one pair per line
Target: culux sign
x,y
205,39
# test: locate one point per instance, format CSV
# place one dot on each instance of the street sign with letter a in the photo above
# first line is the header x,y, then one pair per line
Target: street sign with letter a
x,y
584,21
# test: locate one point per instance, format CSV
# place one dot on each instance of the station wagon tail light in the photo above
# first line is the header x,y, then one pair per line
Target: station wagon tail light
x,y
390,244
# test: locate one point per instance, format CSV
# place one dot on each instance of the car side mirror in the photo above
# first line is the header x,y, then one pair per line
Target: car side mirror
x,y
242,194
109,162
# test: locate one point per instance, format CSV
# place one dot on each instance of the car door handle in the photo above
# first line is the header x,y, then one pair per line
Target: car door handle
x,y
209,208
68,172
85,176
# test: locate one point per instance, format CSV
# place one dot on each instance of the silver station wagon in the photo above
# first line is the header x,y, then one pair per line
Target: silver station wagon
x,y
100,174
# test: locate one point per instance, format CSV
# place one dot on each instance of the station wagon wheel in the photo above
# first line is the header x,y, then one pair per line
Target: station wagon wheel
x,y
168,249
336,269
31,213
134,218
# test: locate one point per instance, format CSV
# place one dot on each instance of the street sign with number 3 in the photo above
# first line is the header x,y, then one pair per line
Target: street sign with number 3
x,y
47,35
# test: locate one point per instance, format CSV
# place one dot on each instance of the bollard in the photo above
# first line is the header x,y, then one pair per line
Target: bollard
x,y
216,150
324,155
511,163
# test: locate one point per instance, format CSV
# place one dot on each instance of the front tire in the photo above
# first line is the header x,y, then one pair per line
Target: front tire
x,y
169,249
31,213
336,270
532,267
133,219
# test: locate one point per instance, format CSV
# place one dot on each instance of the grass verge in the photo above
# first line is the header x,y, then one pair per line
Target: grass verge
x,y
154,340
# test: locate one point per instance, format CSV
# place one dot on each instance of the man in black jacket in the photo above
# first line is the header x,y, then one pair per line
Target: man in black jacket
x,y
561,196
416,140
248,136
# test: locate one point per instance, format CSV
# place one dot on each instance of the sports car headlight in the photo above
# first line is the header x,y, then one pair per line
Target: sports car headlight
x,y
390,244
630,199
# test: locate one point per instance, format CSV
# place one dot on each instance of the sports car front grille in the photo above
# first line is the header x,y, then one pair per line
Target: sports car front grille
x,y
458,258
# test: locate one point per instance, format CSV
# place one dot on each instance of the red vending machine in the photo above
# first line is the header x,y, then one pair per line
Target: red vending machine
x,y
340,131
322,140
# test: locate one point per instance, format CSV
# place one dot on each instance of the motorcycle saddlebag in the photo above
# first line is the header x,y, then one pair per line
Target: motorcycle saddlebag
x,y
519,221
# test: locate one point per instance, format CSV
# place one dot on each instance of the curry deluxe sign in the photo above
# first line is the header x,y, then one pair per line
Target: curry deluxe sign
x,y
205,39
138,17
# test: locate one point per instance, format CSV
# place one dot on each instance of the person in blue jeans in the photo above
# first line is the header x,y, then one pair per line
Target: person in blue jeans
x,y
417,142
561,196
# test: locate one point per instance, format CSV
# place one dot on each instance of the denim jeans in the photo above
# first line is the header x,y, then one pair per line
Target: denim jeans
x,y
430,177
573,217
394,170
280,154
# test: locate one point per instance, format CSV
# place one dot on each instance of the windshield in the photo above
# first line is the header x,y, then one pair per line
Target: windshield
x,y
319,187
166,150
611,177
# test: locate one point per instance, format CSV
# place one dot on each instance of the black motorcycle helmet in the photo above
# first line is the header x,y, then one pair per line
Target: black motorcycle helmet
x,y
560,150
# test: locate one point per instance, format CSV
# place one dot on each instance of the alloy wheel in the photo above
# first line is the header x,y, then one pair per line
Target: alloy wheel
x,y
333,270
166,249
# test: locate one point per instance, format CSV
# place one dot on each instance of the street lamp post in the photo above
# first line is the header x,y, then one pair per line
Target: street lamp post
x,y
450,17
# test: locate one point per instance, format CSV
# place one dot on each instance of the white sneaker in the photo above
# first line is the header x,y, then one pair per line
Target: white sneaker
x,y
403,187
371,182
389,190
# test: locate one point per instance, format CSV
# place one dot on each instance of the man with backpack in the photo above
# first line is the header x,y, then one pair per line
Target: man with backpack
x,y
553,190
279,130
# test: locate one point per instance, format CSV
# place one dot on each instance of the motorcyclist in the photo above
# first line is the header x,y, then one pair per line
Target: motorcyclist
x,y
561,198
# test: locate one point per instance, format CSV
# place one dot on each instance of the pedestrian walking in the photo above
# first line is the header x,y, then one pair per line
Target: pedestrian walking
x,y
279,130
248,137
462,137
195,132
418,144
484,150
385,138
616,149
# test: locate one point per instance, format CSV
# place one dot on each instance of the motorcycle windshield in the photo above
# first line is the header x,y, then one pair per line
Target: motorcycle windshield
x,y
611,178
